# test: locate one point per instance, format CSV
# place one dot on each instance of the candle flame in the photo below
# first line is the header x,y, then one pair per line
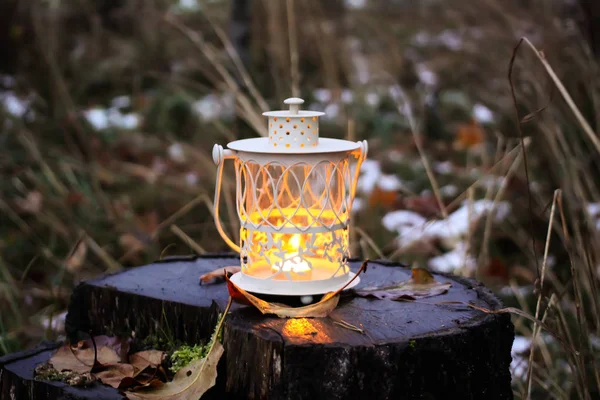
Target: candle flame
x,y
293,262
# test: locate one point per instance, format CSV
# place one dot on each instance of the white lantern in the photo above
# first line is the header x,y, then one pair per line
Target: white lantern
x,y
294,194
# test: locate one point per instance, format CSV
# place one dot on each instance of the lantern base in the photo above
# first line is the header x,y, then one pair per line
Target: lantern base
x,y
292,288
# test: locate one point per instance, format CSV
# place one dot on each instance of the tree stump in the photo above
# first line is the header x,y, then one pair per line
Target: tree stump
x,y
407,350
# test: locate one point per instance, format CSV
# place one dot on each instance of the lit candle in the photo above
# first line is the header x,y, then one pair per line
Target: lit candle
x,y
293,262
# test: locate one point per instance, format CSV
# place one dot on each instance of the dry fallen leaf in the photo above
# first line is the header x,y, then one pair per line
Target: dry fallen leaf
x,y
189,383
81,360
31,204
120,346
141,381
469,135
421,284
192,381
219,274
384,198
76,260
113,375
145,359
321,309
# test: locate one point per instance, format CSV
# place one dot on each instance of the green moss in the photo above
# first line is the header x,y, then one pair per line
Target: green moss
x,y
45,372
412,344
185,354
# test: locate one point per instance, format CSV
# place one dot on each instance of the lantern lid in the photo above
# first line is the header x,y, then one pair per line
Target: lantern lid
x,y
293,131
294,110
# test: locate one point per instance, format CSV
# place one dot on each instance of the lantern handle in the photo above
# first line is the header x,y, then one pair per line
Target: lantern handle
x,y
219,157
364,148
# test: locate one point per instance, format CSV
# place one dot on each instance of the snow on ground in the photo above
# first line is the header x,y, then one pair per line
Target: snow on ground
x,y
483,114
215,106
357,204
372,177
449,191
13,104
186,6
518,365
370,171
426,76
57,324
453,260
450,231
104,118
443,168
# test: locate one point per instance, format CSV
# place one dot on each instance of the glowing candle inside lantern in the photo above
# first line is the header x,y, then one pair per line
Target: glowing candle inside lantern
x,y
293,262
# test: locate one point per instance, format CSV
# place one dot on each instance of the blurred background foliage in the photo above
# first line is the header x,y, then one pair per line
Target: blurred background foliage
x,y
109,110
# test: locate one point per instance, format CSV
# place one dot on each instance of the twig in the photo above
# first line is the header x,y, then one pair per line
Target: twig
x,y
110,262
536,328
179,213
188,240
295,75
524,152
405,109
347,325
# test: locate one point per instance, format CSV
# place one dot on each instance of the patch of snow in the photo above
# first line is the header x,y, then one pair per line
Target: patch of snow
x,y
422,39
518,365
186,6
103,118
443,168
57,324
400,219
595,341
356,4
452,230
593,209
332,111
121,102
212,106
483,114
13,104
451,39
97,117
123,121
550,261
521,290
395,156
207,108
453,260
176,153
449,191
357,204
426,76
322,95
347,96
389,183
369,173
191,178
492,181
373,99
396,91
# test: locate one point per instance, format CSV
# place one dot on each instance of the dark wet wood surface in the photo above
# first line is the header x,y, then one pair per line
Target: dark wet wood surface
x,y
406,350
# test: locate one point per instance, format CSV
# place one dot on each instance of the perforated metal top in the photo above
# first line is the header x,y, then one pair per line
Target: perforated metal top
x,y
293,131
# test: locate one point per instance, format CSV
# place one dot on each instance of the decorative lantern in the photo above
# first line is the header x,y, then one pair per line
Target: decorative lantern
x,y
294,194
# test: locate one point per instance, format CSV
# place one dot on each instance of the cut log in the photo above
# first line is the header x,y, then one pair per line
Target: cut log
x,y
17,380
406,350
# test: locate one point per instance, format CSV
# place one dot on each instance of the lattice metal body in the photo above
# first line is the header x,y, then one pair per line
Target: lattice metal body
x,y
294,206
